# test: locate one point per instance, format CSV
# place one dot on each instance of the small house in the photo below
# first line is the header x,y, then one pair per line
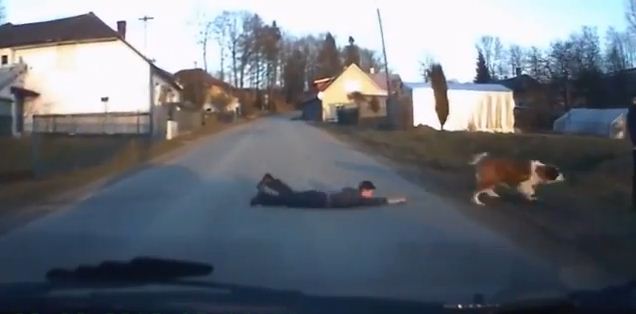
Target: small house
x,y
354,89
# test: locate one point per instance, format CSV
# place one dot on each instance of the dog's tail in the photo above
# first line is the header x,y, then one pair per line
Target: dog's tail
x,y
478,158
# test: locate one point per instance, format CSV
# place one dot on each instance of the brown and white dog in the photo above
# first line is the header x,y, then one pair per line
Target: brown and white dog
x,y
525,175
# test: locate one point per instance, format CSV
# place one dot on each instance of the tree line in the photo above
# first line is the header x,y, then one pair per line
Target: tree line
x,y
259,54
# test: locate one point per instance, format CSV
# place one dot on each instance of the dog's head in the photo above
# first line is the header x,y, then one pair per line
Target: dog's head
x,y
548,173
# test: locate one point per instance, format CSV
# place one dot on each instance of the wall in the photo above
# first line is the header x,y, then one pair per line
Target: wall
x,y
164,92
352,79
367,112
73,78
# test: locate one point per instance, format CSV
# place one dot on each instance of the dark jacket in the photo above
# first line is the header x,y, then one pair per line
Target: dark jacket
x,y
350,197
631,123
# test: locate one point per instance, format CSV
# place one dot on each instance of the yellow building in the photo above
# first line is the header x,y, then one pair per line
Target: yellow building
x,y
354,88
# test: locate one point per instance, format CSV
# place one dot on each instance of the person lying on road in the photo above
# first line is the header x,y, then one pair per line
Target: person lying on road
x,y
274,192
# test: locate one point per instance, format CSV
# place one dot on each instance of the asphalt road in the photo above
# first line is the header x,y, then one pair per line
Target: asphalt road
x,y
195,206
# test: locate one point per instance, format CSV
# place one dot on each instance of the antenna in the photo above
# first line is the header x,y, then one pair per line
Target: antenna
x,y
145,20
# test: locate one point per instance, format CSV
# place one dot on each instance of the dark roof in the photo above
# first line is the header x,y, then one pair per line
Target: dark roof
x,y
166,76
200,74
380,79
76,28
519,83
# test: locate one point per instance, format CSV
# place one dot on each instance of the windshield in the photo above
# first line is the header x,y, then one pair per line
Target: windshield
x,y
437,151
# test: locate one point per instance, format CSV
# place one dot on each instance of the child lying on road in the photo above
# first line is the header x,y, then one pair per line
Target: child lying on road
x,y
275,192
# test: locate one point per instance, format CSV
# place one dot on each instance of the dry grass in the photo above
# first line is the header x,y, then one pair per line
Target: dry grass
x,y
598,170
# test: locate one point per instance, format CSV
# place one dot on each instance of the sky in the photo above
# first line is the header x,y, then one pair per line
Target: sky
x,y
446,30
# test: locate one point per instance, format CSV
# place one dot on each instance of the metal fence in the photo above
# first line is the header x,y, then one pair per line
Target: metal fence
x,y
93,124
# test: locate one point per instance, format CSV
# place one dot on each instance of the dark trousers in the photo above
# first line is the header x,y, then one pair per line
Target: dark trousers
x,y
304,199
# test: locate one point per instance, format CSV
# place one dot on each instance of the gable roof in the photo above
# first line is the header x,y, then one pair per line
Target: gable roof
x,y
76,28
380,79
354,68
521,82
85,27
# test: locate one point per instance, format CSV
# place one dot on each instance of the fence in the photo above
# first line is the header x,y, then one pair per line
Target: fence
x,y
125,123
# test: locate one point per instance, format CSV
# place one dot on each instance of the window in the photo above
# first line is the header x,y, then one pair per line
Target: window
x,y
5,59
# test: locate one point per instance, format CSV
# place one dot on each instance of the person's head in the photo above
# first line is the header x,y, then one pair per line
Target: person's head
x,y
634,101
366,189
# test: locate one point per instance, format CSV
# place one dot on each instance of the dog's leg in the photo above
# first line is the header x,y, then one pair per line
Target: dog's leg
x,y
527,190
492,193
475,198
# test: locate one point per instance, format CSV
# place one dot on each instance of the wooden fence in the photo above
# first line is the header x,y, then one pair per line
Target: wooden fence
x,y
125,123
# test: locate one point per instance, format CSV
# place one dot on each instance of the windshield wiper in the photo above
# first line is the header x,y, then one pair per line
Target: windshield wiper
x,y
138,270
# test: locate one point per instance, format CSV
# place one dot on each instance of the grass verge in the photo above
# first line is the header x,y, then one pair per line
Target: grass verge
x,y
133,154
589,214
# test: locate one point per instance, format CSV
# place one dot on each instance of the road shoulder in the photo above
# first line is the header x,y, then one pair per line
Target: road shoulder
x,y
604,237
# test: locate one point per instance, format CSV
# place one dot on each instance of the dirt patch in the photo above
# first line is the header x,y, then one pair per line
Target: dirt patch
x,y
589,214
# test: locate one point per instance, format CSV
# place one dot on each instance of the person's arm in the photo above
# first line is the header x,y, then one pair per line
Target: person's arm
x,y
396,200
379,201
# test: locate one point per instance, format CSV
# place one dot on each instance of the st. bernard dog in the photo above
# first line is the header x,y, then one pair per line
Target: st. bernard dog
x,y
525,175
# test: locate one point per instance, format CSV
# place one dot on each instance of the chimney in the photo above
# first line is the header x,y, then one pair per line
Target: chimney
x,y
372,70
121,29
518,71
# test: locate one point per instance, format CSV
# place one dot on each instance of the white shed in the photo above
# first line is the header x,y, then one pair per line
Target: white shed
x,y
609,123
472,107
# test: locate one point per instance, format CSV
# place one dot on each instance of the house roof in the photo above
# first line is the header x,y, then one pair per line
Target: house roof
x,y
519,83
464,86
380,79
76,28
353,67
323,83
85,27
200,74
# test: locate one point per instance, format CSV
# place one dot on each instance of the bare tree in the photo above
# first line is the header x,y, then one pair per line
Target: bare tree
x,y
426,66
2,12
616,58
221,29
369,59
515,58
486,46
630,15
499,58
205,34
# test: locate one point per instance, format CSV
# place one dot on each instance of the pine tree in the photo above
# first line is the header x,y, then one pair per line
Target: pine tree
x,y
483,74
352,53
329,63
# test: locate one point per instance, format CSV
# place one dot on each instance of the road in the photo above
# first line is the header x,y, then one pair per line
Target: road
x,y
195,206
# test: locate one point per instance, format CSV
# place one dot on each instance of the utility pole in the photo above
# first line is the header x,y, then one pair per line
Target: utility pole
x,y
145,20
386,63
389,107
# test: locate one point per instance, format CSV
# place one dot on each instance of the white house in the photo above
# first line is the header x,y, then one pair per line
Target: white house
x,y
78,67
472,107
